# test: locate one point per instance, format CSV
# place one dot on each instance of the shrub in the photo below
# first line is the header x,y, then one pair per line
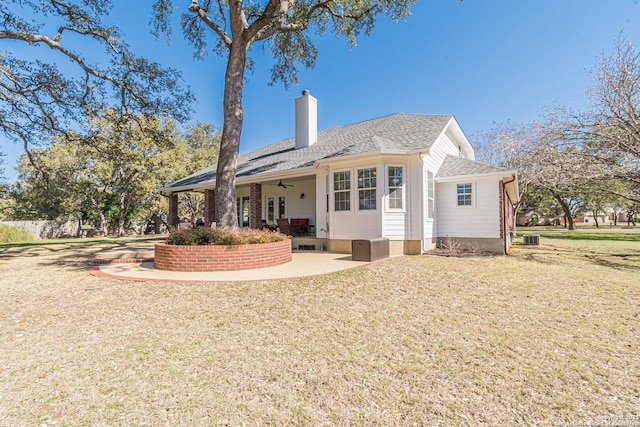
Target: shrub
x,y
221,236
9,234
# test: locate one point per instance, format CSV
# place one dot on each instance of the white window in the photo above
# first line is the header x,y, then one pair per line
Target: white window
x,y
271,205
465,192
243,206
430,193
282,207
276,208
367,183
395,181
342,190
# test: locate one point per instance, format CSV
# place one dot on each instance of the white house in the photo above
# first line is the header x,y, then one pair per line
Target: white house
x,y
411,178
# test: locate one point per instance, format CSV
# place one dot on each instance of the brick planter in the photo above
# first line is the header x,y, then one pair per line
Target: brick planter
x,y
221,257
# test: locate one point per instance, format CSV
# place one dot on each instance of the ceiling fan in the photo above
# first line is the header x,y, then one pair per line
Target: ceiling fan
x,y
283,185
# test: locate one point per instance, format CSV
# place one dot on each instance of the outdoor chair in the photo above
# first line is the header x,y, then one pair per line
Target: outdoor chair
x,y
266,226
302,225
286,228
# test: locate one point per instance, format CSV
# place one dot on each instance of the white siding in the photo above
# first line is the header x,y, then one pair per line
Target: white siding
x,y
414,200
480,220
347,225
322,214
429,225
443,146
395,223
355,224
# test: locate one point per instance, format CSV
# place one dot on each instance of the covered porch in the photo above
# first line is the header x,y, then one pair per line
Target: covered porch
x,y
262,204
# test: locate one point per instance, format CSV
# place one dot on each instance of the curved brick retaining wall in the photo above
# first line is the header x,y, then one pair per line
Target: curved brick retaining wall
x,y
221,257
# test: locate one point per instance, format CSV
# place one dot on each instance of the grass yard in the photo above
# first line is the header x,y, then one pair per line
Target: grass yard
x,y
547,336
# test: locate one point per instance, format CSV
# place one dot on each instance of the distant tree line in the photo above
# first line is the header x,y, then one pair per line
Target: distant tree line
x,y
110,178
573,162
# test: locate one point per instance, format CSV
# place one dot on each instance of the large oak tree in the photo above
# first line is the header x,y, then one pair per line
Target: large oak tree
x,y
285,25
60,62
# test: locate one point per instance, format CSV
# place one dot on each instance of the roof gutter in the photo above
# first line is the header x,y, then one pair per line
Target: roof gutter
x,y
480,175
269,176
513,179
370,154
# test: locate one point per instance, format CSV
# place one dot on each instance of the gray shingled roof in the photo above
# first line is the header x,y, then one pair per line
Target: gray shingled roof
x,y
458,166
397,132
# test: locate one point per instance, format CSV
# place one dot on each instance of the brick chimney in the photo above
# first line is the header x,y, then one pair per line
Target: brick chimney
x,y
306,120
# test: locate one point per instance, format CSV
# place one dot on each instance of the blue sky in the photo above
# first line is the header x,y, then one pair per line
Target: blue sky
x,y
485,62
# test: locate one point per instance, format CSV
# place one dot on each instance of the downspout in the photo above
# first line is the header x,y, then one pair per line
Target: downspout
x,y
422,212
504,219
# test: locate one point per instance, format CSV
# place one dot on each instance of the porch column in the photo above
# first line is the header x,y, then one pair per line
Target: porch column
x,y
255,198
174,220
209,207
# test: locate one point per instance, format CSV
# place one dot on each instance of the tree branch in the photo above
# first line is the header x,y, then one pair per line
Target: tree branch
x,y
202,14
39,38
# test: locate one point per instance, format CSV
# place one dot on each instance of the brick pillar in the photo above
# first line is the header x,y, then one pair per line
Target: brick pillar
x,y
173,210
255,195
209,207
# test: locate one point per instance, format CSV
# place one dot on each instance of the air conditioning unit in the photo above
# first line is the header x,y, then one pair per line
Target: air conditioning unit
x,y
370,250
531,239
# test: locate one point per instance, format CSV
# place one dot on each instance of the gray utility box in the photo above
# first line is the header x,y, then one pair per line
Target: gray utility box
x,y
370,249
531,239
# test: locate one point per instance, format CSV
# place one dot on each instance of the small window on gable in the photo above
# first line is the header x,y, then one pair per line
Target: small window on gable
x,y
465,192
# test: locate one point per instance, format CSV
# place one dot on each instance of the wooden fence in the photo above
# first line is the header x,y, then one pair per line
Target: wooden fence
x,y
41,229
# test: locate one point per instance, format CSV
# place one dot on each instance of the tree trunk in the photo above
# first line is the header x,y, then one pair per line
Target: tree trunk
x,y
595,217
516,210
567,211
225,192
121,216
103,221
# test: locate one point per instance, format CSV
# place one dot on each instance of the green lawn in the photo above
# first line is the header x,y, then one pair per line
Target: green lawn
x,y
614,241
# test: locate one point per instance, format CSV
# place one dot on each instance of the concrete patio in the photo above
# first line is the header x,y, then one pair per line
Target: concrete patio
x,y
136,263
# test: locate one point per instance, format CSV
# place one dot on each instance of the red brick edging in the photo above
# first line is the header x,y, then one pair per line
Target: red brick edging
x,y
100,261
221,257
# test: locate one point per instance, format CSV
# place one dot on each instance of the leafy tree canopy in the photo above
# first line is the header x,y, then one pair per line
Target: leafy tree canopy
x,y
40,96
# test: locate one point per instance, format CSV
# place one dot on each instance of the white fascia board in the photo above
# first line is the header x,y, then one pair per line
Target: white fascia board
x,y
457,129
272,176
350,157
200,187
363,156
500,174
207,185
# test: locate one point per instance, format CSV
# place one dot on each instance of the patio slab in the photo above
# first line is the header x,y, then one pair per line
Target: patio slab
x,y
136,263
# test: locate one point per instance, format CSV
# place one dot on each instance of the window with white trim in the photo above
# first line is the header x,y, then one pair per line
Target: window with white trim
x,y
465,192
367,183
395,181
342,191
271,209
430,194
282,207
